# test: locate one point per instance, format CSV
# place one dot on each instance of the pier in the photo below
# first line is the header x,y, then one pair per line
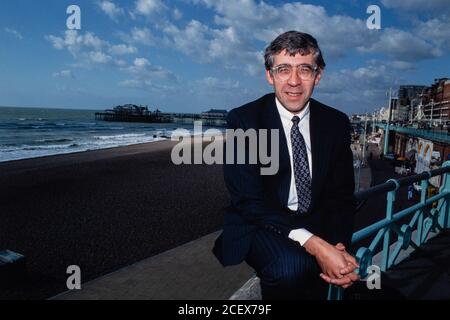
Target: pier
x,y
133,113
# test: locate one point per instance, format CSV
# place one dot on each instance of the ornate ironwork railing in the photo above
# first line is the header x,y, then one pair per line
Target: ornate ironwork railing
x,y
425,218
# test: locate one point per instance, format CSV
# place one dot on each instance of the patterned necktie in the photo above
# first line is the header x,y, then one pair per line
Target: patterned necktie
x,y
301,167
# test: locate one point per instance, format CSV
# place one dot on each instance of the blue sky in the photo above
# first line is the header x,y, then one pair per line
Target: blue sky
x,y
192,55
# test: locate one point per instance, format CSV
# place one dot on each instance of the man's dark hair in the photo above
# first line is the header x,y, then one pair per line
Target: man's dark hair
x,y
294,42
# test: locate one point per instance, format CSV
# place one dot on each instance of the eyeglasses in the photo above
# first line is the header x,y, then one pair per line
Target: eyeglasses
x,y
305,72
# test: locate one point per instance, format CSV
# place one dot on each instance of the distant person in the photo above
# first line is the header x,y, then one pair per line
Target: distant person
x,y
293,226
410,192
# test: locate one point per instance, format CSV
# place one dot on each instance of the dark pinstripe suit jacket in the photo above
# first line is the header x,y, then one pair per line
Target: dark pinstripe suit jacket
x,y
259,201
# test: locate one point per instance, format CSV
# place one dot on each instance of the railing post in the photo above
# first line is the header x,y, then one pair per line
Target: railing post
x,y
444,215
423,198
386,139
387,235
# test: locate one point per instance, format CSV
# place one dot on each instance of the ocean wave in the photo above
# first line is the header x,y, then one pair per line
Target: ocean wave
x,y
46,147
120,136
54,140
27,151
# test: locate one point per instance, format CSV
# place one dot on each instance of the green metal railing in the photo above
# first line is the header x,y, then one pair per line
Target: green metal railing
x,y
429,134
424,220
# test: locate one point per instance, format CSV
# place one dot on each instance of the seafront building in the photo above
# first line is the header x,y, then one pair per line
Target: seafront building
x,y
415,128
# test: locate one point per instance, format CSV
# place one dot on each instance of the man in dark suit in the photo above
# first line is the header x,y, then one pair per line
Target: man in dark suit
x,y
292,227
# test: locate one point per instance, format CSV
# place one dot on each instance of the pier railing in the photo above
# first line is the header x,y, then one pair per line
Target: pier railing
x,y
426,218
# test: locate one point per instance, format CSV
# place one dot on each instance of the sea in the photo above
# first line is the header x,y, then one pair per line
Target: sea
x,y
36,132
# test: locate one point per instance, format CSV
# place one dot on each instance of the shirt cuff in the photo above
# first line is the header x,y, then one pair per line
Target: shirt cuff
x,y
300,235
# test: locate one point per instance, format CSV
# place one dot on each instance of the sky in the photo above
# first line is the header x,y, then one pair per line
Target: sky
x,y
193,55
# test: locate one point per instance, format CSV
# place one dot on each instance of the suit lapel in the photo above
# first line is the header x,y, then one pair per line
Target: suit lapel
x,y
319,147
270,119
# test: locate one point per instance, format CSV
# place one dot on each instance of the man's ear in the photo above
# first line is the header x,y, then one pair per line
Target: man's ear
x,y
318,77
269,77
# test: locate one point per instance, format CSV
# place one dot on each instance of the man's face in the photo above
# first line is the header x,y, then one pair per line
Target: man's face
x,y
294,92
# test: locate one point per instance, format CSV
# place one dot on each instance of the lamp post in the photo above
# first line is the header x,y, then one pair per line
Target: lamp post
x,y
386,131
431,116
364,141
373,123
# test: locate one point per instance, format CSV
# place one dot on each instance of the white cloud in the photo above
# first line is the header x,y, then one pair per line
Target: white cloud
x,y
110,9
90,40
207,45
218,84
147,76
136,84
15,33
142,68
141,62
417,5
192,40
148,85
122,49
63,74
219,92
120,63
99,57
436,30
177,14
76,43
401,65
149,7
359,89
369,77
403,45
89,50
140,36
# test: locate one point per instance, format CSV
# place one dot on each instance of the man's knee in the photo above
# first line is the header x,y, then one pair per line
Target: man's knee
x,y
289,269
292,279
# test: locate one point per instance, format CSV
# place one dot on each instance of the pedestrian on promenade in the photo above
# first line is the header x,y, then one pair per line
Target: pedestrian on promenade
x,y
410,192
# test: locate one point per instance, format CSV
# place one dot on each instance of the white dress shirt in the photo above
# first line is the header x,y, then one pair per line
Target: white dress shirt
x,y
301,235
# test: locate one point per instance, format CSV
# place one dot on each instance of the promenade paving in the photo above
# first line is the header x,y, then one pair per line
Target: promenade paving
x,y
188,272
